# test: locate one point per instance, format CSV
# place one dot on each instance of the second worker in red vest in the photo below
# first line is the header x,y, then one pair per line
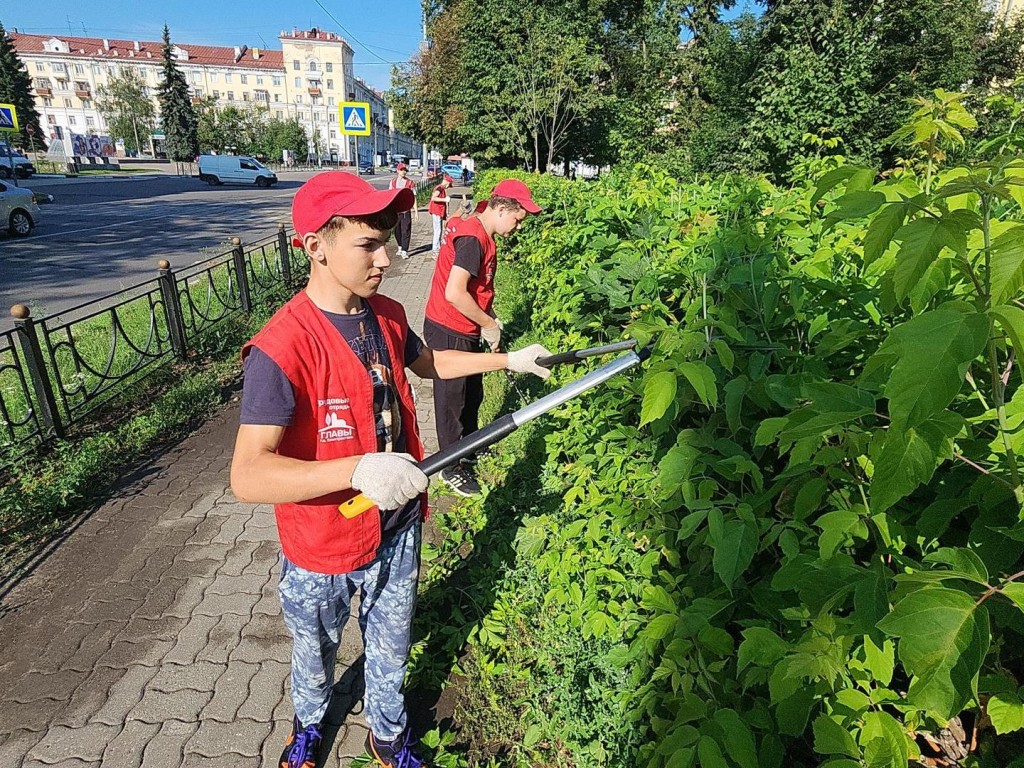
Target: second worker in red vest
x,y
459,312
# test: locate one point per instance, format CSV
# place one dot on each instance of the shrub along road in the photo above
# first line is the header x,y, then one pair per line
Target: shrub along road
x,y
103,235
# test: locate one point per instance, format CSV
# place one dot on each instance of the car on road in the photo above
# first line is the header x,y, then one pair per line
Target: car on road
x,y
367,168
13,163
455,171
19,209
234,169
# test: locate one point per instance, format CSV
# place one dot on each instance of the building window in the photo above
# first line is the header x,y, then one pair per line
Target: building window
x,y
71,119
277,80
145,91
295,65
330,117
216,94
245,79
330,84
67,103
96,69
47,102
298,99
330,101
86,104
330,67
313,66
40,67
231,95
199,93
334,134
298,82
280,114
213,77
90,123
245,96
259,79
277,97
227,77
58,66
262,97
79,69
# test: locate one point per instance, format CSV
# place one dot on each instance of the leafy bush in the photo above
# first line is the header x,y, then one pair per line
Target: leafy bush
x,y
797,535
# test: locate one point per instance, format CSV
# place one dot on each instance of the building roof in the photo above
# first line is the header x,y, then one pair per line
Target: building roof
x,y
130,50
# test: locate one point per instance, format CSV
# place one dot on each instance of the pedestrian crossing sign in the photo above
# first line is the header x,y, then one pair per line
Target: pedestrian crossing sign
x,y
8,118
355,118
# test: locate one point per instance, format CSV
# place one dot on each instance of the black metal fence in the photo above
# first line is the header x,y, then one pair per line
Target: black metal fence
x,y
55,372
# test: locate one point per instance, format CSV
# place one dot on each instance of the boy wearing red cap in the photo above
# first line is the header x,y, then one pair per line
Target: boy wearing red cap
x,y
438,210
459,313
328,412
403,230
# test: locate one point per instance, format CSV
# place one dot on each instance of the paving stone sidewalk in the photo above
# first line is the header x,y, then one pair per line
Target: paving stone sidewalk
x,y
152,636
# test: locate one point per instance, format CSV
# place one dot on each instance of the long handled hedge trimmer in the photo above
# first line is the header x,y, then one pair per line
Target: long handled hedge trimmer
x,y
500,428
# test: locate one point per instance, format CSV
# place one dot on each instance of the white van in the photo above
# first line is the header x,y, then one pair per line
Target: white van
x,y
234,169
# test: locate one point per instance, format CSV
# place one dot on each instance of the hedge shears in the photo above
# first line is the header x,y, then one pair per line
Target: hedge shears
x,y
504,426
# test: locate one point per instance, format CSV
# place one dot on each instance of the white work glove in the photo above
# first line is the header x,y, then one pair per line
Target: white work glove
x,y
389,480
525,360
492,335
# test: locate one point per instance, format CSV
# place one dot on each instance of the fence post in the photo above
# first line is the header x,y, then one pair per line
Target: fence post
x,y
175,321
238,255
28,338
286,254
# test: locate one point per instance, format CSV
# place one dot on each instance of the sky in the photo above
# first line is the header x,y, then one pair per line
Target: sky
x,y
380,32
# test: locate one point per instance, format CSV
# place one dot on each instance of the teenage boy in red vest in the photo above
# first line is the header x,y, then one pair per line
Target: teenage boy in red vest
x,y
403,230
327,412
459,314
438,210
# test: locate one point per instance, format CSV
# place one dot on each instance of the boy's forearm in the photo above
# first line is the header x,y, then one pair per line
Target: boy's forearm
x,y
463,302
269,478
453,364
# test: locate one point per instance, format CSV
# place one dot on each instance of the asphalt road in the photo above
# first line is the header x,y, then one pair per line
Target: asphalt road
x,y
105,235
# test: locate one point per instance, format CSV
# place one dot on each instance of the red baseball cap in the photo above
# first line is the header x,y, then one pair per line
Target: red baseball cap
x,y
401,167
337,193
515,190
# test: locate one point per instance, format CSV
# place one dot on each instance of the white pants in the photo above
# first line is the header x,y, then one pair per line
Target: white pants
x,y
438,229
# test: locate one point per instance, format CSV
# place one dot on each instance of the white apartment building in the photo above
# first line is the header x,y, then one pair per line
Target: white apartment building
x,y
307,79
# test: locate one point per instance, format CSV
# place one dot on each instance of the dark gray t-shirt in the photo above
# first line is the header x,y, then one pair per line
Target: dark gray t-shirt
x,y
269,399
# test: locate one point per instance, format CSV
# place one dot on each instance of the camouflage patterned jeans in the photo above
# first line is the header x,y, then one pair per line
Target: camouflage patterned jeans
x,y
316,607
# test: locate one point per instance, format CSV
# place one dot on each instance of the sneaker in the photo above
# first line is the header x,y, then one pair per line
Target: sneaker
x,y
302,750
461,480
403,253
400,753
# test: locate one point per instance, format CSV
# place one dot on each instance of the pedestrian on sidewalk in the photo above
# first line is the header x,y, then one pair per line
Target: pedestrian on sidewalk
x,y
438,209
403,230
327,412
459,313
465,176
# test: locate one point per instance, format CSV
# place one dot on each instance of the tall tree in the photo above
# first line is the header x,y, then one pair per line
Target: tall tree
x,y
16,89
177,116
127,109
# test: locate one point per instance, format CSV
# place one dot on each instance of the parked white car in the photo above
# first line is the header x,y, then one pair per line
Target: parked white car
x,y
19,210
234,169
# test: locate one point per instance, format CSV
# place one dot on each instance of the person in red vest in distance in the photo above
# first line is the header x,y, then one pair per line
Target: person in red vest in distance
x,y
328,412
438,210
403,231
459,314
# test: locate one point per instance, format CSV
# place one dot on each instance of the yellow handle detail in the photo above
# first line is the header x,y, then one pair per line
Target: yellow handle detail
x,y
355,506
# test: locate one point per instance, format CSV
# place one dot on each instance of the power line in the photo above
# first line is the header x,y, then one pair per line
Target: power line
x,y
354,38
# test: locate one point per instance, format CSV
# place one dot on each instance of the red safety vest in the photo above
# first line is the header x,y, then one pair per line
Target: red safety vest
x,y
333,418
481,287
397,183
439,209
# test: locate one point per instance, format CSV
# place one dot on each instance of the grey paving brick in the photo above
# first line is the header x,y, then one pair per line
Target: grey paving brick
x,y
72,762
230,692
248,583
157,706
193,553
231,528
352,745
146,652
161,597
167,748
224,638
190,595
33,686
89,697
34,716
63,743
199,676
95,643
205,531
266,559
239,603
125,750
202,507
17,745
265,691
256,649
274,743
142,629
241,736
238,558
191,640
231,760
125,694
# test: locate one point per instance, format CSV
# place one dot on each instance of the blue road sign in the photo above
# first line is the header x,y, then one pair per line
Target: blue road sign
x,y
355,118
8,118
